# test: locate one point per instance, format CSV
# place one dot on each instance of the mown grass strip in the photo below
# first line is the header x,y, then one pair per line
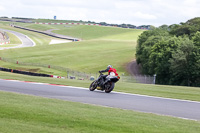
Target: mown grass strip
x,y
22,114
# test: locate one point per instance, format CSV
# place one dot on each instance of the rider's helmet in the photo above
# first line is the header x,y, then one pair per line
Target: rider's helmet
x,y
109,66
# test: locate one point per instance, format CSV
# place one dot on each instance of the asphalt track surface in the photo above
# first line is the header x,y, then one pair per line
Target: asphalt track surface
x,y
26,41
162,106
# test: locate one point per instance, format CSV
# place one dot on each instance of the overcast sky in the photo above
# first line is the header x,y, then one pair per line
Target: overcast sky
x,y
136,12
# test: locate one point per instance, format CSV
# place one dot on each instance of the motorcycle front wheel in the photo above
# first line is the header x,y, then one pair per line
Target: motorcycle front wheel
x,y
109,86
93,86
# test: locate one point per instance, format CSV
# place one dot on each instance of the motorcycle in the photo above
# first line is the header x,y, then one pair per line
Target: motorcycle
x,y
108,84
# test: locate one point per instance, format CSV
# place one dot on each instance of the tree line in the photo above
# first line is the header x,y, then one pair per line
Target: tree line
x,y
172,53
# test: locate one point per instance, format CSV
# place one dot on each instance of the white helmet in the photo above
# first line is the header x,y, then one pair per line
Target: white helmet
x,y
109,66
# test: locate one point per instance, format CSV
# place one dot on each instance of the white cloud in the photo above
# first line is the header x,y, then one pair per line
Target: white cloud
x,y
128,4
190,2
2,8
144,15
137,12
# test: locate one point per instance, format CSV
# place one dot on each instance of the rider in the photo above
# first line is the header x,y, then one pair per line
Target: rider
x,y
111,71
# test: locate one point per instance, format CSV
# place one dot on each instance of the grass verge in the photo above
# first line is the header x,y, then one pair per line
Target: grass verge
x,y
22,114
8,45
14,39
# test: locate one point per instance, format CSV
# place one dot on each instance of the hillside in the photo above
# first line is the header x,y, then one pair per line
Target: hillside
x,y
100,46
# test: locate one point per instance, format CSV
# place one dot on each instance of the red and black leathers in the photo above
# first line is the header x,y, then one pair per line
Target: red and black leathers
x,y
109,70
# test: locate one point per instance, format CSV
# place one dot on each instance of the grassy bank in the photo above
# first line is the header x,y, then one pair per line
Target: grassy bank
x,y
89,32
14,39
90,56
101,46
22,114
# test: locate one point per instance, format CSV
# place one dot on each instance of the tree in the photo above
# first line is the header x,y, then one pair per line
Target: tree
x,y
185,64
180,30
194,25
172,53
165,27
151,27
189,28
196,39
159,59
145,42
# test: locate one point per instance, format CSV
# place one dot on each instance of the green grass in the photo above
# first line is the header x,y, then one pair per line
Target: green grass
x,y
39,39
177,92
89,32
29,68
40,27
22,114
101,46
85,56
8,45
14,39
96,32
55,21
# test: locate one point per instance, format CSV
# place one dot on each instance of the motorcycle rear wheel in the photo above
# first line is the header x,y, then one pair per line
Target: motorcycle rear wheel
x,y
109,87
93,86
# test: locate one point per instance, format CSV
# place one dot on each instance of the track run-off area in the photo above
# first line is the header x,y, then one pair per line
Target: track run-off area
x,y
163,106
26,41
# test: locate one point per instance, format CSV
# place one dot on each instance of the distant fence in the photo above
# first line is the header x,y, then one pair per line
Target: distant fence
x,y
145,79
68,23
147,27
16,20
76,75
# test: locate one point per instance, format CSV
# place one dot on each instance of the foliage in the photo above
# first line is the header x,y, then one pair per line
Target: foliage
x,y
185,64
188,28
159,59
172,53
144,50
196,39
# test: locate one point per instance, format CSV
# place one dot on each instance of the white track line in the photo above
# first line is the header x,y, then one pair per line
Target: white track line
x,y
124,93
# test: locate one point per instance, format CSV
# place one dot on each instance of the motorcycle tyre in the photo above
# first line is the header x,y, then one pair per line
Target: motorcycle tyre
x,y
111,87
92,88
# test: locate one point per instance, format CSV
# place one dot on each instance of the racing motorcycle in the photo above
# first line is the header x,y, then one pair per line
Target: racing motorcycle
x,y
106,85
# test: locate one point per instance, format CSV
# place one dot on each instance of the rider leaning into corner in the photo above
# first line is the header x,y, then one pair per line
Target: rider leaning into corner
x,y
111,71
